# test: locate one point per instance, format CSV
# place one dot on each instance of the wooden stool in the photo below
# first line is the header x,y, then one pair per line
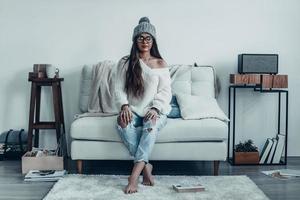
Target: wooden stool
x,y
35,102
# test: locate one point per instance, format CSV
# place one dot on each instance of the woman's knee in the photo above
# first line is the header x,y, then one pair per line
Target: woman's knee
x,y
154,124
149,125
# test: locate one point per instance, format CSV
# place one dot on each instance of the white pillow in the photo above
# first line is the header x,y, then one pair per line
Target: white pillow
x,y
199,107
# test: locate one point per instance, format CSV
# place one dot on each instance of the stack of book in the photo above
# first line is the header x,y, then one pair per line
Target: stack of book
x,y
272,150
44,175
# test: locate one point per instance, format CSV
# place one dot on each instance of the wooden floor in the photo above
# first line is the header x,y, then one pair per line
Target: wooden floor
x,y
12,185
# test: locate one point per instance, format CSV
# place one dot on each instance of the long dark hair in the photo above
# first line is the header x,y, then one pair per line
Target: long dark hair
x,y
134,83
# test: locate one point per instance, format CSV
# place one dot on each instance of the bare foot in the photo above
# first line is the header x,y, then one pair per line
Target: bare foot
x,y
148,179
132,186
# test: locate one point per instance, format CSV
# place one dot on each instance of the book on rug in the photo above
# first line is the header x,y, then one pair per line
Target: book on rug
x,y
188,188
44,175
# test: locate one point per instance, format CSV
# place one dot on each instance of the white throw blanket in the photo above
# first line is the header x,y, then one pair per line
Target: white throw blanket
x,y
101,102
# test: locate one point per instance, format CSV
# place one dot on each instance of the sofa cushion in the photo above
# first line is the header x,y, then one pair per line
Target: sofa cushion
x,y
199,81
176,130
200,107
175,110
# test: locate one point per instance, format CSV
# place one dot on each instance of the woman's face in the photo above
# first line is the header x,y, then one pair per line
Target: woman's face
x,y
144,42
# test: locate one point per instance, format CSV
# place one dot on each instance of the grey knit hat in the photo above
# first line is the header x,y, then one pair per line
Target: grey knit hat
x,y
144,27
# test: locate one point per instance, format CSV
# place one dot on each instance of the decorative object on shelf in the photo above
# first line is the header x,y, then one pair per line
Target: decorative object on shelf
x,y
245,79
40,70
247,146
246,153
44,71
52,71
274,81
258,63
263,80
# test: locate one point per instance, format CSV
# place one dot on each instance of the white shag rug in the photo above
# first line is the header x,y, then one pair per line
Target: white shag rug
x,y
110,187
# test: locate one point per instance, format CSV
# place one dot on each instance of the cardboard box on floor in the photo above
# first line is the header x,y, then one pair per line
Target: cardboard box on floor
x,y
41,163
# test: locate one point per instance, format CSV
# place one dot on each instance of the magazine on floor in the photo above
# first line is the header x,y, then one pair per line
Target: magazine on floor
x,y
44,175
284,174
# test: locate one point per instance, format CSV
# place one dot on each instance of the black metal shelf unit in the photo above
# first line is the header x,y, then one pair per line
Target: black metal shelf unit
x,y
256,88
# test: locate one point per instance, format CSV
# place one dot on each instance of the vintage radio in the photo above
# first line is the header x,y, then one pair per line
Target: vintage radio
x,y
258,63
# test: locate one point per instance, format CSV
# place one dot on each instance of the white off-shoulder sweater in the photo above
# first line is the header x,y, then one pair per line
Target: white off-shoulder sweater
x,y
157,93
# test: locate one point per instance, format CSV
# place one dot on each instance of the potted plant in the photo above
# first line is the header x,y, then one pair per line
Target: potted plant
x,y
246,153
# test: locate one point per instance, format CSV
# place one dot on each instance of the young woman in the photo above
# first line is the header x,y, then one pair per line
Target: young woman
x,y
143,95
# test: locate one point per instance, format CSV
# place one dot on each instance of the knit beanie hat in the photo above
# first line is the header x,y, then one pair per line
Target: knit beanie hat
x,y
144,26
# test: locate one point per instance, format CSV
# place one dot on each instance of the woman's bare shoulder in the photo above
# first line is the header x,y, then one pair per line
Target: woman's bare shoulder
x,y
161,63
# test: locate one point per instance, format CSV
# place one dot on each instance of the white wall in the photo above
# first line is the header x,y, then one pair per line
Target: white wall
x,y
72,33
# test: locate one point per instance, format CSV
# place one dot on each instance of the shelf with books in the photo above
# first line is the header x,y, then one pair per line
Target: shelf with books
x,y
274,148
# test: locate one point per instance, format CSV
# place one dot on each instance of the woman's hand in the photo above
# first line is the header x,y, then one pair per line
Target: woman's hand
x,y
125,114
151,114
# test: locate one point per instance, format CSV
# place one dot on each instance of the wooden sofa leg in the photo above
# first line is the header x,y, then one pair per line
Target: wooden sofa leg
x,y
216,167
79,166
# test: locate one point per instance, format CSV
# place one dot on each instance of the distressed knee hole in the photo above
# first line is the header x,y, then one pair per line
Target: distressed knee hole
x,y
148,130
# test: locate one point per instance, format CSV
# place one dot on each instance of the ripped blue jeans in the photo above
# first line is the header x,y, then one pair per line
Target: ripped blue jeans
x,y
140,142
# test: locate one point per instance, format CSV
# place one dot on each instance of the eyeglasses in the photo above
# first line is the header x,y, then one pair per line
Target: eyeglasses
x,y
147,39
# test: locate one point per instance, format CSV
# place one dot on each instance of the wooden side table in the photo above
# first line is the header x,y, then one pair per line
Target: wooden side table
x,y
34,111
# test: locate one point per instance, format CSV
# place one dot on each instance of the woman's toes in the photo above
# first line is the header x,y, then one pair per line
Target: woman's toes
x,y
131,187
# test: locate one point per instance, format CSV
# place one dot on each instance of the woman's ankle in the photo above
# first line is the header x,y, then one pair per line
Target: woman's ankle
x,y
132,178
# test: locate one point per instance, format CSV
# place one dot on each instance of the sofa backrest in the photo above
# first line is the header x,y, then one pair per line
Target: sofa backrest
x,y
199,81
194,80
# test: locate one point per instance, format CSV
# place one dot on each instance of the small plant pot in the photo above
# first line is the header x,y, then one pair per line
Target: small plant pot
x,y
246,157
